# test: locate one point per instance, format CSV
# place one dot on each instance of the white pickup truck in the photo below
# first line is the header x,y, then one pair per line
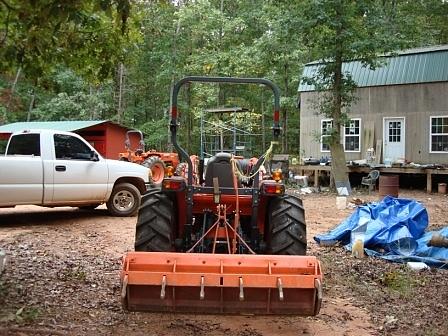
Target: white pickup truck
x,y
52,168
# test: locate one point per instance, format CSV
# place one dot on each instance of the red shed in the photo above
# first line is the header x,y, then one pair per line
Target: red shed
x,y
105,136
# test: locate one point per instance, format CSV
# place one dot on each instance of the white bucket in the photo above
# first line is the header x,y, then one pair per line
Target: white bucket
x,y
341,202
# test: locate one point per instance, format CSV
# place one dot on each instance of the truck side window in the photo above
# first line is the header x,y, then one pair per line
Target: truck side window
x,y
68,147
24,144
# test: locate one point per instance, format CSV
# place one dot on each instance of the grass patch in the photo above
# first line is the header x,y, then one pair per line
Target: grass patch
x,y
3,289
23,315
400,281
73,273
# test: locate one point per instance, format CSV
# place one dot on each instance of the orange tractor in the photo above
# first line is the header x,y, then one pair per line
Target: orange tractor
x,y
232,242
152,159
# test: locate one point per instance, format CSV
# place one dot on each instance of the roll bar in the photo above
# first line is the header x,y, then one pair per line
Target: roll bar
x,y
202,79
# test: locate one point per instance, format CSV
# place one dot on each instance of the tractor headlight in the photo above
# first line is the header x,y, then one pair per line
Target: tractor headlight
x,y
277,175
169,171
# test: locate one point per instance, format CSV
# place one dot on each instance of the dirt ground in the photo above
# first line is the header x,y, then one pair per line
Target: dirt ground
x,y
62,279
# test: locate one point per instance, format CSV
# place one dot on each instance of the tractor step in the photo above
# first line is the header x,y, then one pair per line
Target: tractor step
x,y
221,283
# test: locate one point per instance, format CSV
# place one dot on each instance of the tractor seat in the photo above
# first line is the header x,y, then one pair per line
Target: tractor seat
x,y
220,166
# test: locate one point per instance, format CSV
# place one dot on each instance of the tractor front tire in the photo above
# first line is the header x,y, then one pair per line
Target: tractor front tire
x,y
287,228
157,167
155,223
124,200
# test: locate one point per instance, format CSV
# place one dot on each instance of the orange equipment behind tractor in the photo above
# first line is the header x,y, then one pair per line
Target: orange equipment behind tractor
x,y
152,159
229,243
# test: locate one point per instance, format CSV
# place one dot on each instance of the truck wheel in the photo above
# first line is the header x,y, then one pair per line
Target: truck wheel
x,y
287,228
154,231
157,167
124,200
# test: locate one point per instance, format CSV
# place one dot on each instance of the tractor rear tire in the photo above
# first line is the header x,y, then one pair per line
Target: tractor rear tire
x,y
157,167
155,223
287,227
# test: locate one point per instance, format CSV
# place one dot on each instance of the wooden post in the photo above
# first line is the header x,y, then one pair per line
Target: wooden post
x,y
428,182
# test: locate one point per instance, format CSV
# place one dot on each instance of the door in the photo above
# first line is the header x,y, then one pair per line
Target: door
x,y
394,139
76,177
21,172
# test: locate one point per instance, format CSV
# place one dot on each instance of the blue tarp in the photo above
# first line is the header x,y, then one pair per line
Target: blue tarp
x,y
393,229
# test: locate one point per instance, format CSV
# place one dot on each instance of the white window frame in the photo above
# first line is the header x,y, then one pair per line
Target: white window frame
x,y
322,135
353,135
431,134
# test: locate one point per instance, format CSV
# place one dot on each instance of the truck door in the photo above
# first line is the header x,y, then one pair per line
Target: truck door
x,y
21,172
76,177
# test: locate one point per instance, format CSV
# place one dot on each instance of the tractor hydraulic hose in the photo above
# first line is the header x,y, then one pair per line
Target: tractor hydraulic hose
x,y
265,157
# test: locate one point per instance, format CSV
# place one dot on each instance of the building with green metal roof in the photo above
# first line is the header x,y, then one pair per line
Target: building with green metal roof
x,y
68,126
401,109
105,136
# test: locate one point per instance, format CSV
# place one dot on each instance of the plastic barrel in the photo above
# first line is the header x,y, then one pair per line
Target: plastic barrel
x,y
389,185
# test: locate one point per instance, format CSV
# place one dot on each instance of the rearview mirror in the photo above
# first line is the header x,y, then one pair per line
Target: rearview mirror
x,y
94,156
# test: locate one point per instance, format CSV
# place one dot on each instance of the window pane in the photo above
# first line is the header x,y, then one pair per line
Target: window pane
x,y
352,133
352,127
327,126
24,144
439,143
352,143
444,129
68,147
439,125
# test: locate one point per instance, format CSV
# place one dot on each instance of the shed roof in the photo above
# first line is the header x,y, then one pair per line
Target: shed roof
x,y
68,126
420,65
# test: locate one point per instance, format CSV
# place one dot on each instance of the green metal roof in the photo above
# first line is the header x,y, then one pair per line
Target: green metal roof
x,y
421,65
68,126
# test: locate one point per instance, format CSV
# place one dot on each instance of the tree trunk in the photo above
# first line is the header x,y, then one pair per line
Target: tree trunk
x,y
11,94
285,113
30,108
120,92
263,126
188,119
338,165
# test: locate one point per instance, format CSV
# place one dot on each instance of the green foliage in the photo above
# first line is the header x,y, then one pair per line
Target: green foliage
x,y
69,53
85,35
155,134
79,106
65,80
3,144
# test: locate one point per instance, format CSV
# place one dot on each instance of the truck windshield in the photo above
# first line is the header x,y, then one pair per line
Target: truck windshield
x,y
24,144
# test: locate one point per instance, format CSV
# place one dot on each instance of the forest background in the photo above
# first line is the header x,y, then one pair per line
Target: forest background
x,y
118,59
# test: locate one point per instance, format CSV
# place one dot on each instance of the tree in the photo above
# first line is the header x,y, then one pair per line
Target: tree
x,y
87,36
337,31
